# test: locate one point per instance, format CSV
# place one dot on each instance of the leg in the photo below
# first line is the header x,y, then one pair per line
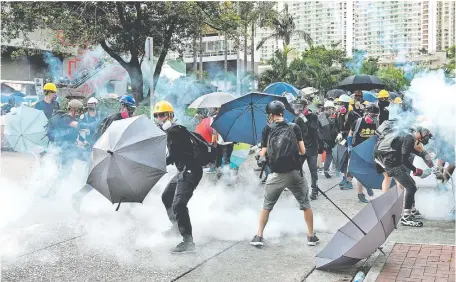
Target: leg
x,y
386,184
227,153
312,163
219,155
168,197
329,158
361,196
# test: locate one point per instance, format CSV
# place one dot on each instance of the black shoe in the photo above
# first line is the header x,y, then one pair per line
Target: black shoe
x,y
370,192
257,241
362,198
184,247
409,220
314,194
264,180
313,240
327,175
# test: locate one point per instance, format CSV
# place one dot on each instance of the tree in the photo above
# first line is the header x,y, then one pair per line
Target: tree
x,y
279,69
450,65
370,66
393,77
121,28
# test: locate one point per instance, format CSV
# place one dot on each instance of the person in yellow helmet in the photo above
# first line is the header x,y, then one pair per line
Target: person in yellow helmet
x,y
397,100
179,191
383,102
48,105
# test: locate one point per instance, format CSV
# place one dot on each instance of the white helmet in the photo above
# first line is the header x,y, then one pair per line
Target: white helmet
x,y
329,104
344,98
92,100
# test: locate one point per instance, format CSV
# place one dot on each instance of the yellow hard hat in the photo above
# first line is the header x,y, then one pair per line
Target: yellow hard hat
x,y
50,87
397,100
163,107
352,102
350,108
365,102
336,100
383,94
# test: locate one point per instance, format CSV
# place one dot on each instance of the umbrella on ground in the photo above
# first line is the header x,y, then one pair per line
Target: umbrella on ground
x,y
309,91
243,119
338,153
362,165
211,100
277,88
361,82
204,129
128,160
335,93
363,234
369,96
25,130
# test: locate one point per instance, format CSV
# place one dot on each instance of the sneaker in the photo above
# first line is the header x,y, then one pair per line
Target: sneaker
x,y
416,214
343,181
257,241
314,194
184,247
409,220
362,198
347,186
370,192
313,240
264,180
327,175
212,170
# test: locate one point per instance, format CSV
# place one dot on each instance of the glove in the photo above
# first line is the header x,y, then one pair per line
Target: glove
x,y
261,161
339,137
325,145
422,173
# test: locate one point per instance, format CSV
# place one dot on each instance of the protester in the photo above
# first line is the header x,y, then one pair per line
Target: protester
x,y
360,131
285,148
308,123
383,102
327,133
224,149
358,103
7,107
48,105
92,119
179,191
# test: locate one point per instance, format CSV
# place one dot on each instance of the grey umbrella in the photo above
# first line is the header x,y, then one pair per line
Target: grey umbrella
x,y
128,160
363,234
338,153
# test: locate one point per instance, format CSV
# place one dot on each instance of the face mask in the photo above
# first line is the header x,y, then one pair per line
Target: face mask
x,y
91,108
166,125
306,111
383,104
343,110
369,119
425,140
124,113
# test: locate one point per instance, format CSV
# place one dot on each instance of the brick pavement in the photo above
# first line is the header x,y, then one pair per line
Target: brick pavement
x,y
419,262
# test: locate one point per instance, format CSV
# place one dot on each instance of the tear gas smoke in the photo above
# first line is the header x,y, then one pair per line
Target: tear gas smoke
x,y
55,66
356,63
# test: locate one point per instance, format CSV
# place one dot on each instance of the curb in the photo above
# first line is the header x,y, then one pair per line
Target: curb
x,y
379,262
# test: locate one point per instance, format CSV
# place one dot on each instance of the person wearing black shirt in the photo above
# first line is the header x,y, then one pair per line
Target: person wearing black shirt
x,y
383,103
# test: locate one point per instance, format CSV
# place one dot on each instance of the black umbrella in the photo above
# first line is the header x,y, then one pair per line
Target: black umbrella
x,y
361,82
335,93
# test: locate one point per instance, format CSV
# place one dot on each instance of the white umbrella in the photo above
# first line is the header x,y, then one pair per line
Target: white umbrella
x,y
309,90
211,100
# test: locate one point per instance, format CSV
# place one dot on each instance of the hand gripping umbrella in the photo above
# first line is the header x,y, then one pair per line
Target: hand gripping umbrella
x,y
128,160
362,165
211,100
363,234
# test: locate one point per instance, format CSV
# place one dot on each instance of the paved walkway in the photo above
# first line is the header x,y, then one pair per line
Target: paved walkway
x,y
419,262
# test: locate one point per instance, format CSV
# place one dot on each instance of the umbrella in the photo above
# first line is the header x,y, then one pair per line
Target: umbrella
x,y
204,129
309,91
128,160
277,88
240,153
335,93
211,100
339,152
369,96
361,82
25,130
243,119
362,165
393,95
363,234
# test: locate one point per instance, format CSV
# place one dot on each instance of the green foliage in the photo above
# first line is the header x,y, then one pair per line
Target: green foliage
x,y
370,66
393,77
279,70
450,65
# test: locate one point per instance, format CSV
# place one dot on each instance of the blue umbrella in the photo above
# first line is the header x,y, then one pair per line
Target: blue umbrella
x,y
277,88
362,165
369,96
243,119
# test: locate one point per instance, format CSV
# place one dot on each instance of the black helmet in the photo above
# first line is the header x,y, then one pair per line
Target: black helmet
x,y
275,107
372,109
425,134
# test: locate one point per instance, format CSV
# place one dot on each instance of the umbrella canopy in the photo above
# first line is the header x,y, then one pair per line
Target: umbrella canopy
x,y
335,93
393,95
211,100
128,160
277,88
204,129
362,165
309,91
240,153
363,234
361,82
243,119
339,152
25,130
369,96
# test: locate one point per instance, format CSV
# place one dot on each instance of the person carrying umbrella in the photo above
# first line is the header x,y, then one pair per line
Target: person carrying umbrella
x,y
285,148
360,131
308,123
48,105
383,103
179,191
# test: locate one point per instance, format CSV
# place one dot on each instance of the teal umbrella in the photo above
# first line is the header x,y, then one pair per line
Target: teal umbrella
x,y
25,130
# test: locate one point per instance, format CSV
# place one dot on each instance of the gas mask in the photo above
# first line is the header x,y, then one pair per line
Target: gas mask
x,y
370,118
425,139
124,113
343,110
91,108
298,109
305,111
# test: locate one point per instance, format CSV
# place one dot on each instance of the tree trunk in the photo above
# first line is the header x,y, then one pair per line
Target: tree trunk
x,y
252,54
137,83
201,57
159,65
246,36
225,62
195,56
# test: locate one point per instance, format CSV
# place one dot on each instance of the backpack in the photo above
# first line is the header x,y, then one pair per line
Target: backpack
x,y
54,130
386,134
283,150
202,152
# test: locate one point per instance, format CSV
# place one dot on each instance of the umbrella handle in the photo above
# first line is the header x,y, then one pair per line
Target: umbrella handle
x,y
262,170
394,221
118,206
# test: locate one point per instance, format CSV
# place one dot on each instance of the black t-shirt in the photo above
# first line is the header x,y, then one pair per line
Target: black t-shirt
x,y
267,129
309,131
345,126
384,115
180,148
404,146
365,131
47,108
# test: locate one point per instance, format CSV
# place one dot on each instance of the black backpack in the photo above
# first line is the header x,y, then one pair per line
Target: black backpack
x,y
202,152
283,150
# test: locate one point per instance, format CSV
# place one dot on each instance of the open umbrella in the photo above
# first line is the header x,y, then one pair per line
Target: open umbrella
x,y
361,82
25,130
369,96
128,160
240,153
335,93
309,91
363,234
243,119
277,88
211,100
362,166
339,152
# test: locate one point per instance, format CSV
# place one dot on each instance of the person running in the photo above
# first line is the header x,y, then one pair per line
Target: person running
x,y
360,131
180,189
393,150
383,102
48,105
308,123
283,144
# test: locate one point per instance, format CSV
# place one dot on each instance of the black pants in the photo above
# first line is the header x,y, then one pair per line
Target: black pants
x,y
402,175
313,168
176,197
224,154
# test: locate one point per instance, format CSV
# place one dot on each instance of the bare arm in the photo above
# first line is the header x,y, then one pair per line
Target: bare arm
x,y
302,148
263,152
